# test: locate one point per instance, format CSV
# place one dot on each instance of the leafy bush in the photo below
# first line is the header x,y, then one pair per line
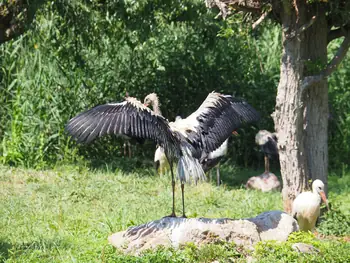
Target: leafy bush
x,y
82,53
335,222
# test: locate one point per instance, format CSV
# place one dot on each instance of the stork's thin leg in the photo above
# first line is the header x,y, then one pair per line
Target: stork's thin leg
x,y
173,188
267,164
183,199
129,147
218,175
124,146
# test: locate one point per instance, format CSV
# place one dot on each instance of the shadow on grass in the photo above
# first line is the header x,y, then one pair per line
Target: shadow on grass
x,y
107,155
8,250
236,177
4,250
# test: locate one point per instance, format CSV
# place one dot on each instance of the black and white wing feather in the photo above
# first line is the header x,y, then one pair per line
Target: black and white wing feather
x,y
215,120
129,118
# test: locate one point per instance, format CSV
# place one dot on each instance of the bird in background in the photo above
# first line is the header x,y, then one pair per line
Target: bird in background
x,y
187,142
306,206
268,144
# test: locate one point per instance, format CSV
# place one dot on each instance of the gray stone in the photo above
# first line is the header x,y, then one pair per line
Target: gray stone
x,y
305,248
275,225
170,231
264,182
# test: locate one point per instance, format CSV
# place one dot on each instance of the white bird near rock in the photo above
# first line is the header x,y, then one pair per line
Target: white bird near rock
x,y
306,206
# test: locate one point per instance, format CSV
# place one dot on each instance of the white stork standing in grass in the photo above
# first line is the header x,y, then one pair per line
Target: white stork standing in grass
x,y
306,206
188,141
268,143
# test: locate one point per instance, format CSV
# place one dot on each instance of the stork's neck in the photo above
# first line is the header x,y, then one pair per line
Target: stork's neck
x,y
314,190
155,106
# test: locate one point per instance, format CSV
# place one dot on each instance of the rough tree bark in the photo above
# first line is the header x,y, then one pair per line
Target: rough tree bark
x,y
316,97
301,118
301,112
15,16
288,115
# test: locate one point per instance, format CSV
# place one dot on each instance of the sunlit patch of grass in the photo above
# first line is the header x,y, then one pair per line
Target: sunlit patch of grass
x,y
329,250
66,214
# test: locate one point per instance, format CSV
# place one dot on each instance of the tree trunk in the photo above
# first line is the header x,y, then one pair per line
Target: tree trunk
x,y
288,115
301,119
316,97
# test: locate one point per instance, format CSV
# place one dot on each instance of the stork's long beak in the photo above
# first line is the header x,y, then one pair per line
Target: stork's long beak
x,y
146,104
324,199
235,133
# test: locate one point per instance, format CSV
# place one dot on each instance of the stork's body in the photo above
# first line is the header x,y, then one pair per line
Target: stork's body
x,y
160,161
213,160
268,144
187,140
306,206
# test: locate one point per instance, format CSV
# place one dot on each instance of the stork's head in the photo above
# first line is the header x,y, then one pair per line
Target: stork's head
x,y
150,99
318,188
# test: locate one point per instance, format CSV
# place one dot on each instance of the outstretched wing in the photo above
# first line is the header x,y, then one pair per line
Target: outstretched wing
x,y
215,120
129,118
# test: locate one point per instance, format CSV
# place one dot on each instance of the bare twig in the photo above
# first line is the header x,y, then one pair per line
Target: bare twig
x,y
331,67
262,18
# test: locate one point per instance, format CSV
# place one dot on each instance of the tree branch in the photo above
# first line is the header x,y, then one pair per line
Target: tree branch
x,y
337,33
226,6
262,18
331,67
306,26
15,17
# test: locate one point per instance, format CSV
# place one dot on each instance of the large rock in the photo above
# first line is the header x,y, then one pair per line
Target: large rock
x,y
265,182
169,231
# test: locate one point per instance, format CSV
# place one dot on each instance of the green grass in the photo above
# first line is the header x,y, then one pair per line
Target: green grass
x,y
66,214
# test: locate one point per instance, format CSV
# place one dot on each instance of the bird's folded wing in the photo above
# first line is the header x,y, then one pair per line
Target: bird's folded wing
x,y
218,116
270,147
130,118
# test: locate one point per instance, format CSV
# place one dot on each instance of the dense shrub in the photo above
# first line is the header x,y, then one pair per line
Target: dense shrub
x,y
82,53
79,54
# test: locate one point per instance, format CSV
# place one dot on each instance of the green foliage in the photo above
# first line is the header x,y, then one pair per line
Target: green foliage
x,y
339,123
82,53
335,222
330,251
66,215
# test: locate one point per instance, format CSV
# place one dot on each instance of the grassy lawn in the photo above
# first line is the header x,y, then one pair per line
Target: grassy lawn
x,y
66,214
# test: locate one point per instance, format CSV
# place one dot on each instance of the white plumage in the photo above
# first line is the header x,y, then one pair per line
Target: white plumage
x,y
219,152
189,142
306,206
160,160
